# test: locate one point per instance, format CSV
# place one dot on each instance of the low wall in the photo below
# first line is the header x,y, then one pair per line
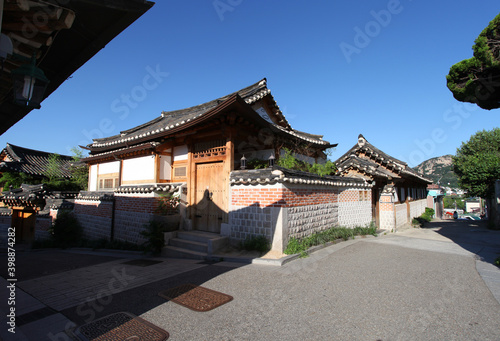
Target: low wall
x,y
120,215
401,212
281,207
417,208
95,214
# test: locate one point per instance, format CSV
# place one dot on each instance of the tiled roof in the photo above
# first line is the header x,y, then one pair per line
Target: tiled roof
x,y
173,120
283,175
376,162
33,162
27,195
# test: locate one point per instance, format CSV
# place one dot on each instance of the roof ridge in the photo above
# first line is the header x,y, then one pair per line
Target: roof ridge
x,y
32,150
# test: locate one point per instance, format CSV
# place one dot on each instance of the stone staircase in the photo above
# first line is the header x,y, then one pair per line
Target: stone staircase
x,y
193,245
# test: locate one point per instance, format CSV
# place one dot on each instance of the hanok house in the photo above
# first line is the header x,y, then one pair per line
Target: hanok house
x,y
399,193
31,208
191,151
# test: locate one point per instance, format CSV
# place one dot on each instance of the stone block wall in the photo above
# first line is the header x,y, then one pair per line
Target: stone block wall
x,y
284,210
42,226
131,214
95,216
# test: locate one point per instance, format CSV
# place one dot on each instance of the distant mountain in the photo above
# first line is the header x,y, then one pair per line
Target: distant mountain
x,y
439,169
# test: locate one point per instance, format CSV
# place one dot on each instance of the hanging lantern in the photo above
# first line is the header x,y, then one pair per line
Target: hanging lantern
x,y
243,162
30,84
271,160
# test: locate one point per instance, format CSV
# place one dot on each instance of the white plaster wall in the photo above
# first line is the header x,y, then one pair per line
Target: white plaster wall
x,y
165,167
140,168
180,153
93,178
109,167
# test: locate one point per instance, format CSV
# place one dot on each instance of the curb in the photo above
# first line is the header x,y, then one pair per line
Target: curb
x,y
282,261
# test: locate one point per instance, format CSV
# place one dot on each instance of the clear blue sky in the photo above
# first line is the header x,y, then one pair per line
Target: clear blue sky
x,y
337,68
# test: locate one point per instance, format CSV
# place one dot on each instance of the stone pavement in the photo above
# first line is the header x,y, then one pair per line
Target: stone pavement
x,y
417,284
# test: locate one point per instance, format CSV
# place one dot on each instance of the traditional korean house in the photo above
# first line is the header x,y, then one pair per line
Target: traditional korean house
x,y
33,163
192,152
399,193
22,206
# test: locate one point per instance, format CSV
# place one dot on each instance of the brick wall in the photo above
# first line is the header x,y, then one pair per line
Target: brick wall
x,y
131,214
283,210
95,216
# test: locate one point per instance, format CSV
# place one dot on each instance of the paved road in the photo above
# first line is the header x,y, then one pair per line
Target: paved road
x,y
419,284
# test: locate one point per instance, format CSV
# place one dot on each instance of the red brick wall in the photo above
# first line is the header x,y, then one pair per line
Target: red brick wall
x,y
94,208
282,197
136,204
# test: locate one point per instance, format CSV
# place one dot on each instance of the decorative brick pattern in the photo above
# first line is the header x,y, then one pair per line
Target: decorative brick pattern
x,y
356,213
417,207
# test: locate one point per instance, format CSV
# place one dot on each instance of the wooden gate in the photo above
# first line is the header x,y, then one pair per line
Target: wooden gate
x,y
210,197
24,222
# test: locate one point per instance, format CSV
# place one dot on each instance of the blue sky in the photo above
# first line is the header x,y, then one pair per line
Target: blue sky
x,y
337,68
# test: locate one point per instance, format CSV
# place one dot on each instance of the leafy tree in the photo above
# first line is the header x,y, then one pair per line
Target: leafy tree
x,y
477,163
15,180
288,160
451,201
477,79
53,172
79,170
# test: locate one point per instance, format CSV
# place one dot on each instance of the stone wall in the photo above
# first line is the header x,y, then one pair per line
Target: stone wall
x,y
131,214
95,214
281,210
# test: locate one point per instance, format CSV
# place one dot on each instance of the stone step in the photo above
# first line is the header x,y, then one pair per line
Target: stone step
x,y
197,236
189,244
177,252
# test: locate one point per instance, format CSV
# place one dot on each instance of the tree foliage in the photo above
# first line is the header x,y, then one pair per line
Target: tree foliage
x,y
289,161
477,163
477,79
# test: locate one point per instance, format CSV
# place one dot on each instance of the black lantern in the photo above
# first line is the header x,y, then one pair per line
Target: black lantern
x,y
29,85
243,162
271,160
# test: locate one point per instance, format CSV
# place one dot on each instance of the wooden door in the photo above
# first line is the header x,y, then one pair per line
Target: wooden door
x,y
210,197
24,221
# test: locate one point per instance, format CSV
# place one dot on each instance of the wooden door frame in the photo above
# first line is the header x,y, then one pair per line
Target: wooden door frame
x,y
228,166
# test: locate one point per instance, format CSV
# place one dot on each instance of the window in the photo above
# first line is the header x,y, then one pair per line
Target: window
x,y
108,183
180,172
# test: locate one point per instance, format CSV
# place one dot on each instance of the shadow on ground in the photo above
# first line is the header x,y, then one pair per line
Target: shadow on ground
x,y
473,236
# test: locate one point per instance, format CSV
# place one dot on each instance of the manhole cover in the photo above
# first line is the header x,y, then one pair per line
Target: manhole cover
x,y
142,262
121,326
195,297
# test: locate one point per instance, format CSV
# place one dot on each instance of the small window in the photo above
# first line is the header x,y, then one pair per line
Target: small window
x,y
108,183
180,172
